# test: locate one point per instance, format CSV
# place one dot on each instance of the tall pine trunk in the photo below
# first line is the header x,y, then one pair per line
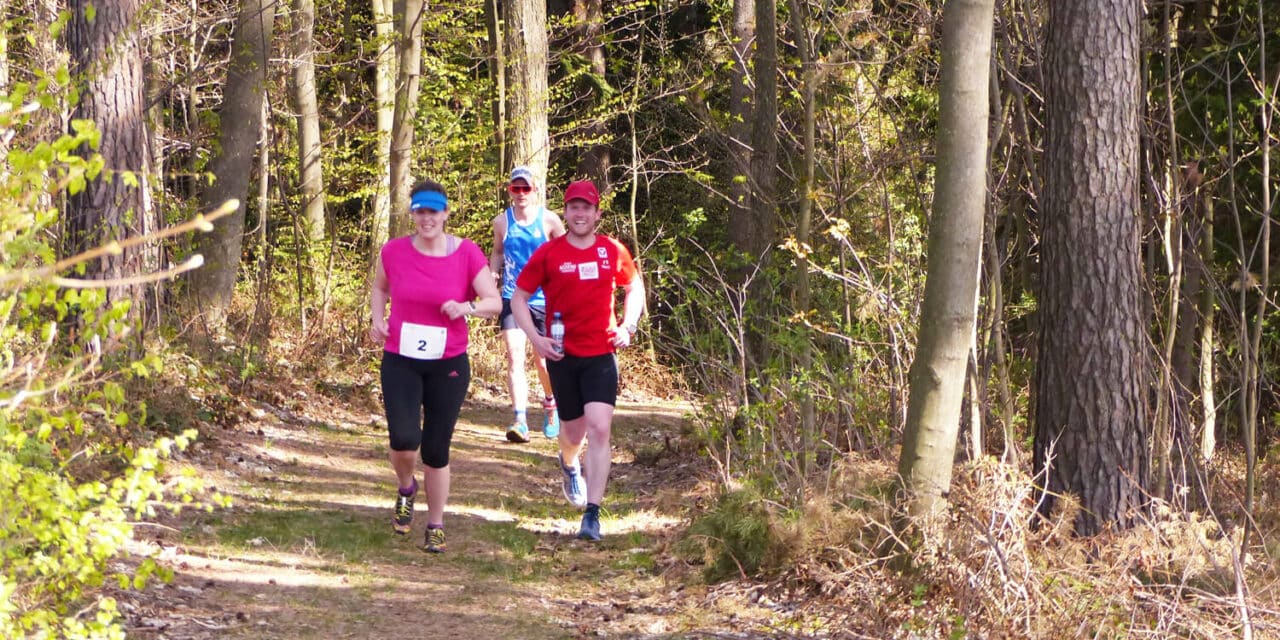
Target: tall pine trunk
x,y
764,181
739,152
1091,432
107,58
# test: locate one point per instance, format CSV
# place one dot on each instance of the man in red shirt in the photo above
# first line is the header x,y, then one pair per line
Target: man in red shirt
x,y
578,273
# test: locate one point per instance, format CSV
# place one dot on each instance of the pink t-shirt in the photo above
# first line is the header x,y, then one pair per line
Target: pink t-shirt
x,y
419,284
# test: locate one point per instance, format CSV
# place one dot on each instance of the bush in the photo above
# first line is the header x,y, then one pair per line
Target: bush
x,y
72,479
735,538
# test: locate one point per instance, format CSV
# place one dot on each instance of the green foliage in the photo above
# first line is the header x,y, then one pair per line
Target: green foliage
x,y
73,479
735,537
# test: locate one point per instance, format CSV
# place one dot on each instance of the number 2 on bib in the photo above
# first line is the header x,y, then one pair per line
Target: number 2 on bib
x,y
422,342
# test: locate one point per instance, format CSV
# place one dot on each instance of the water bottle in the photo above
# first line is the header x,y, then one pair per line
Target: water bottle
x,y
557,332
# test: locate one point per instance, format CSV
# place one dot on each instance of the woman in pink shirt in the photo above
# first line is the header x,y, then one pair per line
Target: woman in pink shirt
x,y
434,280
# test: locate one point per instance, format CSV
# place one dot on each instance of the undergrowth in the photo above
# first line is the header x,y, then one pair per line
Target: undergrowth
x,y
988,573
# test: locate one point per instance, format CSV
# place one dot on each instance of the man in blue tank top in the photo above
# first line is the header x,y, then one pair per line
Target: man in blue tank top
x,y
517,232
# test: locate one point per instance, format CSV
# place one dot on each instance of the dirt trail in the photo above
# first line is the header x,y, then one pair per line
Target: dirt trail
x,y
307,551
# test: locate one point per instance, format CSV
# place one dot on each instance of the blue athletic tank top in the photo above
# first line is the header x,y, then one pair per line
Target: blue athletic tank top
x,y
518,244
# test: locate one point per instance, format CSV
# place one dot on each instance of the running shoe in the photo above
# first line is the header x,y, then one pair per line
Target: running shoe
x,y
550,419
590,529
435,541
518,432
403,520
573,484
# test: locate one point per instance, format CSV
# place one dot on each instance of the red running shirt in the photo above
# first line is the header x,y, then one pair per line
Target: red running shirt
x,y
579,284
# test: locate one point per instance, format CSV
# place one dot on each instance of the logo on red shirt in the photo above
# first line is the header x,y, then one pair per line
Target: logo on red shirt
x,y
568,267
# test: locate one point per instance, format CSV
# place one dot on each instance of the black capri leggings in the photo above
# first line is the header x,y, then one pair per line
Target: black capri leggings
x,y
422,399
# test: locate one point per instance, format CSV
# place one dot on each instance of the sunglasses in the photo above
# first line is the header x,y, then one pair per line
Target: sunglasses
x,y
519,188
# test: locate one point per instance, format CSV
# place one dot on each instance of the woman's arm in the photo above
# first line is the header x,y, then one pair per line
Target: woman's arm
x,y
378,330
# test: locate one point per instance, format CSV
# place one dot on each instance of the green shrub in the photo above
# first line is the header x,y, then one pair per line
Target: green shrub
x,y
735,537
72,478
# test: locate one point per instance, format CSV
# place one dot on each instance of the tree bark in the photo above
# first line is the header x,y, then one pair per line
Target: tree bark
x,y
764,129
808,75
739,147
498,75
4,46
526,46
764,178
1182,363
310,159
107,56
239,126
385,94
955,248
594,164
1208,308
408,16
1091,381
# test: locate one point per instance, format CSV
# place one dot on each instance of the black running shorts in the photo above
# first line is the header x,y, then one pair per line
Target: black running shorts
x,y
577,381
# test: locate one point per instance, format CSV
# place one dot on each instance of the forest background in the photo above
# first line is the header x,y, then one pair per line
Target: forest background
x,y
1105,368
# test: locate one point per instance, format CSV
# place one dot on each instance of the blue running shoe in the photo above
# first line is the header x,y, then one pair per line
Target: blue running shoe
x,y
573,484
518,432
590,529
550,419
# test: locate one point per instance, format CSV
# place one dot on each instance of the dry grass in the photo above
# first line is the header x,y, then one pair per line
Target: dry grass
x,y
989,574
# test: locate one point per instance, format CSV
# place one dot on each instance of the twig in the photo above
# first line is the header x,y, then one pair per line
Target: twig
x,y
201,222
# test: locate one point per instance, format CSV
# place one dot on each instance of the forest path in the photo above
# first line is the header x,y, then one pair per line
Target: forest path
x,y
307,551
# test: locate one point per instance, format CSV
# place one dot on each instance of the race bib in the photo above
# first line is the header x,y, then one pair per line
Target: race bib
x,y
588,271
422,342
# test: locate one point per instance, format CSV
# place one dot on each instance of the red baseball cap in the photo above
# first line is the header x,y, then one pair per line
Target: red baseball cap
x,y
582,190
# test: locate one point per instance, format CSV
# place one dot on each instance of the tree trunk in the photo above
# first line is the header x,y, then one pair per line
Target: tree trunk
x,y
1091,407
594,164
238,131
955,249
764,178
310,161
408,18
498,75
1182,363
764,129
107,57
1253,351
4,46
739,151
1208,308
800,29
526,45
385,94
739,147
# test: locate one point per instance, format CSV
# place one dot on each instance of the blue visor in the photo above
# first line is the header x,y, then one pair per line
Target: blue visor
x,y
433,200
